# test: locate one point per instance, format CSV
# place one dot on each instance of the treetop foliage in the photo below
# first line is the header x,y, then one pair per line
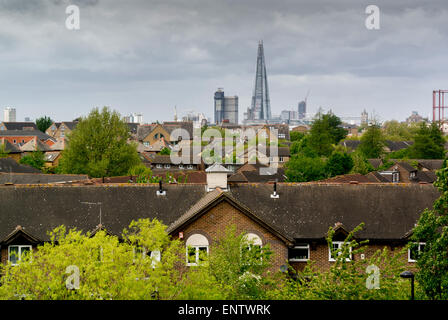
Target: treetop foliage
x,y
99,147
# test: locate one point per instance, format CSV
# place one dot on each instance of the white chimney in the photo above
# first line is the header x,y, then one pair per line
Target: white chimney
x,y
217,177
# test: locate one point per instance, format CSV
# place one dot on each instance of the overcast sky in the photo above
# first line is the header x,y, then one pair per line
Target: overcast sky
x,y
148,56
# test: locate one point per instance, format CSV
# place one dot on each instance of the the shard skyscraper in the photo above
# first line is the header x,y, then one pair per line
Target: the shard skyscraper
x,y
261,106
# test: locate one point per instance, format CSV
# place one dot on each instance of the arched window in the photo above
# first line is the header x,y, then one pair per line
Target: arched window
x,y
196,249
253,249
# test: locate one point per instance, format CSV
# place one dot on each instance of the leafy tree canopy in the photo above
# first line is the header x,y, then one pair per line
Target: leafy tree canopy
x,y
372,142
428,143
35,159
43,123
325,132
99,147
301,168
432,228
338,163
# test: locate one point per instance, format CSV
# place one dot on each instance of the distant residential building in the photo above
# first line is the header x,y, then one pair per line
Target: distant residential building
x,y
149,134
226,108
289,115
9,114
28,119
18,126
60,130
134,118
198,119
414,117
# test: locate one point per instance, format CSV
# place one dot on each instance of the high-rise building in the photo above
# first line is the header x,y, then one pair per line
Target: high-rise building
x,y
226,108
302,109
134,118
261,105
9,114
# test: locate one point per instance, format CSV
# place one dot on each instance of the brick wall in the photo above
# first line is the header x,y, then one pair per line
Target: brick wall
x,y
213,225
319,253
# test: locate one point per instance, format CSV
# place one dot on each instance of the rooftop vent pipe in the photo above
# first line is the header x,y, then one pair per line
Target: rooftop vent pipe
x,y
275,195
161,192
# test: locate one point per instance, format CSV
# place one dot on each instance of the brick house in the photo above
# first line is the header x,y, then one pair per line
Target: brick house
x,y
293,220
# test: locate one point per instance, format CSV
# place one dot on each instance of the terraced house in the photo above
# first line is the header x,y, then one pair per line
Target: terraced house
x,y
293,218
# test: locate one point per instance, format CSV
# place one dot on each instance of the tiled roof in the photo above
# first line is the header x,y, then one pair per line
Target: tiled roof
x,y
10,165
25,133
19,125
302,211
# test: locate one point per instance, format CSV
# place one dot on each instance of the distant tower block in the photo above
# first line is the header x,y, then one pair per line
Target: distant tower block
x,y
439,105
261,105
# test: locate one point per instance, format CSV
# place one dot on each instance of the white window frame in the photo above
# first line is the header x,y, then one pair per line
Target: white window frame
x,y
281,159
281,136
307,246
197,251
181,166
409,251
339,243
146,143
159,166
167,166
199,241
20,252
190,166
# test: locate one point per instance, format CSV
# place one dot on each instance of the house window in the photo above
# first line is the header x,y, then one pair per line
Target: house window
x,y
143,253
53,127
167,166
146,143
62,134
189,166
337,245
281,136
15,253
300,252
254,247
23,140
414,252
196,249
280,159
396,177
159,166
14,141
181,166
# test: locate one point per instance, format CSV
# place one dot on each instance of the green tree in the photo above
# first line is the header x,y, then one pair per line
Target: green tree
x,y
235,269
325,132
43,123
3,152
99,147
399,131
428,143
36,160
301,169
347,277
296,136
372,142
165,151
108,268
338,163
432,228
360,163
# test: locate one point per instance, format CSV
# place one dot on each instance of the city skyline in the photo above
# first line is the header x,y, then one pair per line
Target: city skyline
x,y
151,56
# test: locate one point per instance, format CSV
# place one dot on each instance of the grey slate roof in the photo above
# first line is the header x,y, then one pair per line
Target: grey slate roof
x,y
303,211
19,125
39,178
10,165
24,133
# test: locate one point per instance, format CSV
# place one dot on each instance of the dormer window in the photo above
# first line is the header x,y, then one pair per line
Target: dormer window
x,y
337,247
396,176
412,175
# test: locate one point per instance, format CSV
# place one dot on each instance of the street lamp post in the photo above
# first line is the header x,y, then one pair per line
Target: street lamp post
x,y
409,275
